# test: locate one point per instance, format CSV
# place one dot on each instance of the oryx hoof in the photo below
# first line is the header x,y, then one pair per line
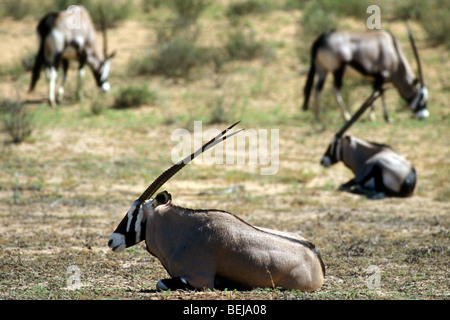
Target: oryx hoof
x,y
173,284
376,196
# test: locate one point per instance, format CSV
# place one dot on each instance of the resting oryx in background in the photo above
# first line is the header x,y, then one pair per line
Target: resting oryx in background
x,y
214,248
376,54
379,170
62,37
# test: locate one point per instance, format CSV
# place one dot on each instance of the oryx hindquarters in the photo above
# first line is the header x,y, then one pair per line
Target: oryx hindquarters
x,y
213,248
379,170
63,38
375,54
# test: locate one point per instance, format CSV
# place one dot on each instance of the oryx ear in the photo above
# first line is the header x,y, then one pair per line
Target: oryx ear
x,y
349,140
112,54
163,197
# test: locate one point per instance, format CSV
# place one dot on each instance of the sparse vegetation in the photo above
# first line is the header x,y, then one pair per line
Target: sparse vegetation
x,y
17,121
134,96
65,189
243,45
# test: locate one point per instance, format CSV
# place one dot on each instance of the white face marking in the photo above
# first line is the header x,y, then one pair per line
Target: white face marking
x,y
117,242
105,87
130,214
105,71
137,225
422,114
338,148
424,93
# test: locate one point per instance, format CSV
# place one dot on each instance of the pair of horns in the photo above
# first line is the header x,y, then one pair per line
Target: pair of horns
x,y
169,173
416,54
375,94
104,27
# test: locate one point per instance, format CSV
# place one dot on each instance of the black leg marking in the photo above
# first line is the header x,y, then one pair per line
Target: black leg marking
x,y
338,76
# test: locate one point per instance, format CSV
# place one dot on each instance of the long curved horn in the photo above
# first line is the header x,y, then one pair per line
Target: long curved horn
x,y
169,173
416,54
103,28
375,94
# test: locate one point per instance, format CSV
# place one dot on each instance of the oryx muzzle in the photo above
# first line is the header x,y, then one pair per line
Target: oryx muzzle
x,y
213,248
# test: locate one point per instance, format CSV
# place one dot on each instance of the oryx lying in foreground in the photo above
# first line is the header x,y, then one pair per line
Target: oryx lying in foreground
x,y
379,170
213,248
62,36
376,54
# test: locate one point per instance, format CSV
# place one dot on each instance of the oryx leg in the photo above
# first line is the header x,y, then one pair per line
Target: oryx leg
x,y
65,66
198,275
80,94
52,75
387,118
348,185
371,185
317,90
377,86
81,72
338,75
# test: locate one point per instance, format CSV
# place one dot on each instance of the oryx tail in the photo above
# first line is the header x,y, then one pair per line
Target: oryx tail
x,y
44,27
312,69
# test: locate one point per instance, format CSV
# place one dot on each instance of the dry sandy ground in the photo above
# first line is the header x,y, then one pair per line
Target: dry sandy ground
x,y
62,192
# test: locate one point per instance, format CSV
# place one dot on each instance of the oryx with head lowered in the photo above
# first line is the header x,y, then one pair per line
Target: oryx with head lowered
x,y
70,35
376,54
379,170
213,248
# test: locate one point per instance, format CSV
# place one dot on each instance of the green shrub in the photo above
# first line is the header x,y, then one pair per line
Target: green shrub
x,y
16,9
17,122
176,58
248,7
133,96
187,12
436,22
97,106
242,45
316,19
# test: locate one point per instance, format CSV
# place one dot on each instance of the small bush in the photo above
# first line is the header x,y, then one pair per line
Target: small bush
x,y
174,58
436,22
187,12
133,96
17,9
410,9
248,7
242,45
17,122
316,19
97,106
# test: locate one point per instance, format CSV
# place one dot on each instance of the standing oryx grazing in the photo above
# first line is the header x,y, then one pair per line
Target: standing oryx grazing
x,y
376,54
214,248
379,170
63,36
